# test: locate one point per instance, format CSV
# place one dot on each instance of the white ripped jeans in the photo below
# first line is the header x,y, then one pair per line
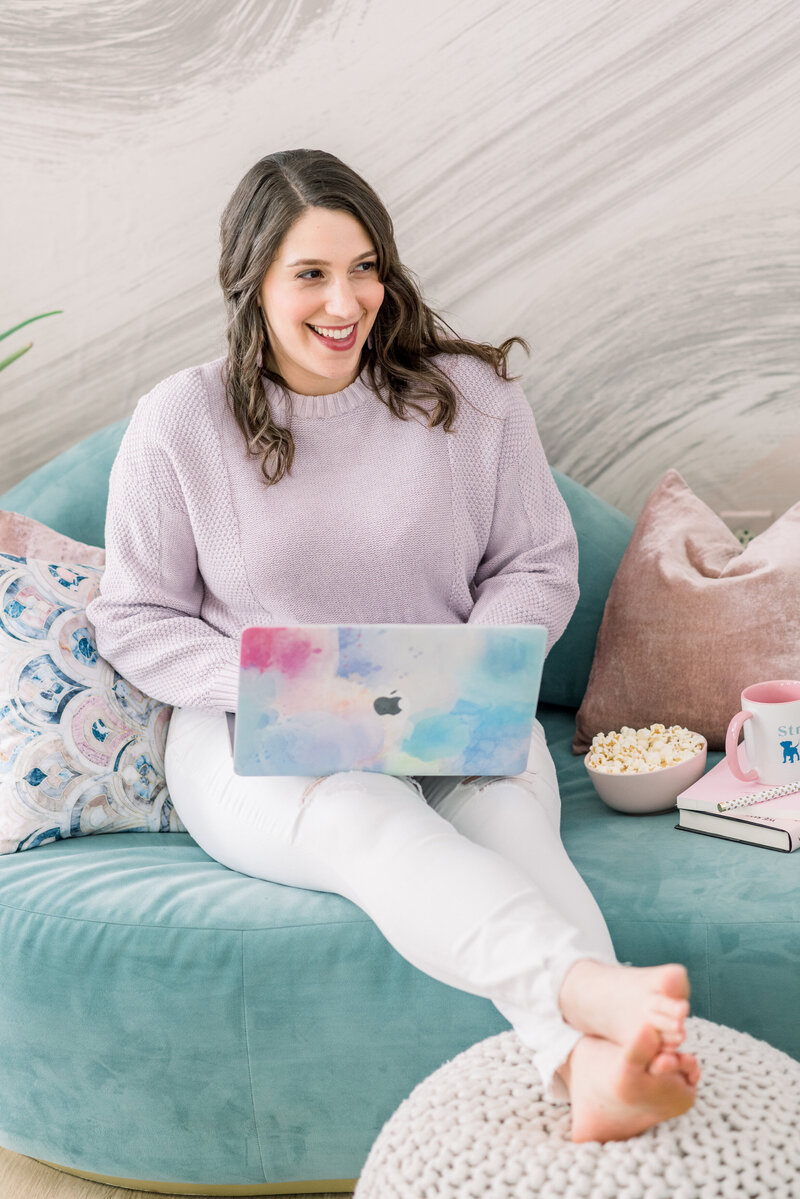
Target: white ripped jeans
x,y
468,880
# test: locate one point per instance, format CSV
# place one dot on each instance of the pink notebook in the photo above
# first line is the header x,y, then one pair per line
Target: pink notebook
x,y
773,823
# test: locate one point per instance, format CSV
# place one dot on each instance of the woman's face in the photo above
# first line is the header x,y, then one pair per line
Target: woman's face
x,y
339,290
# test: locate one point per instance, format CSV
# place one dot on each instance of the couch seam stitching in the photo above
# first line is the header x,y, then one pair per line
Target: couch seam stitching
x,y
199,928
708,979
269,928
705,923
249,1063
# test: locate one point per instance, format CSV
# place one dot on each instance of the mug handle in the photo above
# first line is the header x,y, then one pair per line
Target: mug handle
x,y
731,748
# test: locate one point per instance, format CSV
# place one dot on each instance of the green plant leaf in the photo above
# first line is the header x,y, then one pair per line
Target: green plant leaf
x,y
18,354
27,322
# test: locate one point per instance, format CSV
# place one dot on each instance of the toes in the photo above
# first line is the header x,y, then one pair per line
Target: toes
x,y
664,1063
685,1064
670,1008
668,1015
689,1067
674,981
641,1050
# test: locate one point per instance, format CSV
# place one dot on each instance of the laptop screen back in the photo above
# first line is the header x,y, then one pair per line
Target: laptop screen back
x,y
397,699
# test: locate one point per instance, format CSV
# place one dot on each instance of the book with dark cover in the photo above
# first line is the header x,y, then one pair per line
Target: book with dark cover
x,y
772,823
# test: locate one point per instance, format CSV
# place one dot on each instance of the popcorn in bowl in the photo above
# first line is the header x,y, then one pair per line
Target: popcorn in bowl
x,y
644,770
637,751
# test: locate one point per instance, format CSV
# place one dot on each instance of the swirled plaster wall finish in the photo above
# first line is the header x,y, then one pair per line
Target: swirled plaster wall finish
x,y
614,181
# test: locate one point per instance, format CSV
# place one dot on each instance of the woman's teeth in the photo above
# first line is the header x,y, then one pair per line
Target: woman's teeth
x,y
335,334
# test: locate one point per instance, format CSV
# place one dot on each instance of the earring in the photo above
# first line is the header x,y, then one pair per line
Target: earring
x,y
369,340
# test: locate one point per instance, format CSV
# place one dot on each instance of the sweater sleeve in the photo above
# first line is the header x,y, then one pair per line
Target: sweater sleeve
x,y
529,571
146,613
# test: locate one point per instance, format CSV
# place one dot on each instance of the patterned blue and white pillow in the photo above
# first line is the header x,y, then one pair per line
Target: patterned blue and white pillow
x,y
81,748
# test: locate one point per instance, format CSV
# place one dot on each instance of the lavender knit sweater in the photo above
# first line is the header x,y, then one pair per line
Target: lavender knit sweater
x,y
380,521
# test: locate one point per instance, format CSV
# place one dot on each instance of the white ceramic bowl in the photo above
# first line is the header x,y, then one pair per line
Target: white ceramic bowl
x,y
650,791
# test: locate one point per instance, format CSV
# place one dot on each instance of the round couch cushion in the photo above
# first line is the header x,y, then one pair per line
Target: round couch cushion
x,y
603,533
165,1018
480,1126
70,492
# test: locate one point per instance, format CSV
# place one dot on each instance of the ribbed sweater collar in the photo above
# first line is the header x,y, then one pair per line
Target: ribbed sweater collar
x,y
313,407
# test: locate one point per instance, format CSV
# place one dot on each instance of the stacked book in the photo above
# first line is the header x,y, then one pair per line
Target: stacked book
x,y
720,805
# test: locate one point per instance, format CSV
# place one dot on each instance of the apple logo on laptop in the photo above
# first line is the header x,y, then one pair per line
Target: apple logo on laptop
x,y
387,705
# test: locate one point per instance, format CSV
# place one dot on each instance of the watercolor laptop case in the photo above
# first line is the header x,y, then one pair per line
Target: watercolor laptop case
x,y
396,698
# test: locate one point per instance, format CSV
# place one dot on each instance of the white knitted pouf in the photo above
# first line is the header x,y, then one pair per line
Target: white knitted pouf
x,y
479,1127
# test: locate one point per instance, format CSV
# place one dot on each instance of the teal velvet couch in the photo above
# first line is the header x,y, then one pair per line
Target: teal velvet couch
x,y
165,1021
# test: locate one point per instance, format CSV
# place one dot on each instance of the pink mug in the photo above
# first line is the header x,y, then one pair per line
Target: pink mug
x,y
770,717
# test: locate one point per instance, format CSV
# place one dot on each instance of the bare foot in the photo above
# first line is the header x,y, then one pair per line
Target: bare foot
x,y
614,1002
615,1096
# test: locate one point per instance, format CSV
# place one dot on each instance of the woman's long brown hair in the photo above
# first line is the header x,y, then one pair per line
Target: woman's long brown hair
x,y
406,334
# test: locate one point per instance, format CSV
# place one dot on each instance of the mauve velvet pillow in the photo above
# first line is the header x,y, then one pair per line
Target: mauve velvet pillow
x,y
691,619
25,537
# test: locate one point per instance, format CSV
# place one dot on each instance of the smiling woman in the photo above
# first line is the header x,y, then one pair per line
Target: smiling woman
x,y
308,252
384,520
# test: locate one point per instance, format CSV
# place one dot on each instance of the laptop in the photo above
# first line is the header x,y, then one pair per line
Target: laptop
x,y
403,699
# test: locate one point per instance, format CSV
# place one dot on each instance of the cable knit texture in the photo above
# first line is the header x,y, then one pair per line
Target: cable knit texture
x,y
379,521
480,1127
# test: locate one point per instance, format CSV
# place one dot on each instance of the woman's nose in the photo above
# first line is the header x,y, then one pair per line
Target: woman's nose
x,y
342,299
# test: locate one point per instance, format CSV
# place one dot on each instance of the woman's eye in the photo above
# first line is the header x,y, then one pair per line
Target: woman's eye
x,y
315,271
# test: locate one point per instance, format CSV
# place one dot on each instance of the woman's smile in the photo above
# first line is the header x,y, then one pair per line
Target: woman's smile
x,y
332,339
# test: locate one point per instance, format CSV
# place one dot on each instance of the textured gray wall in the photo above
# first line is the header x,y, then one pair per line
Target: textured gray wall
x,y
615,181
